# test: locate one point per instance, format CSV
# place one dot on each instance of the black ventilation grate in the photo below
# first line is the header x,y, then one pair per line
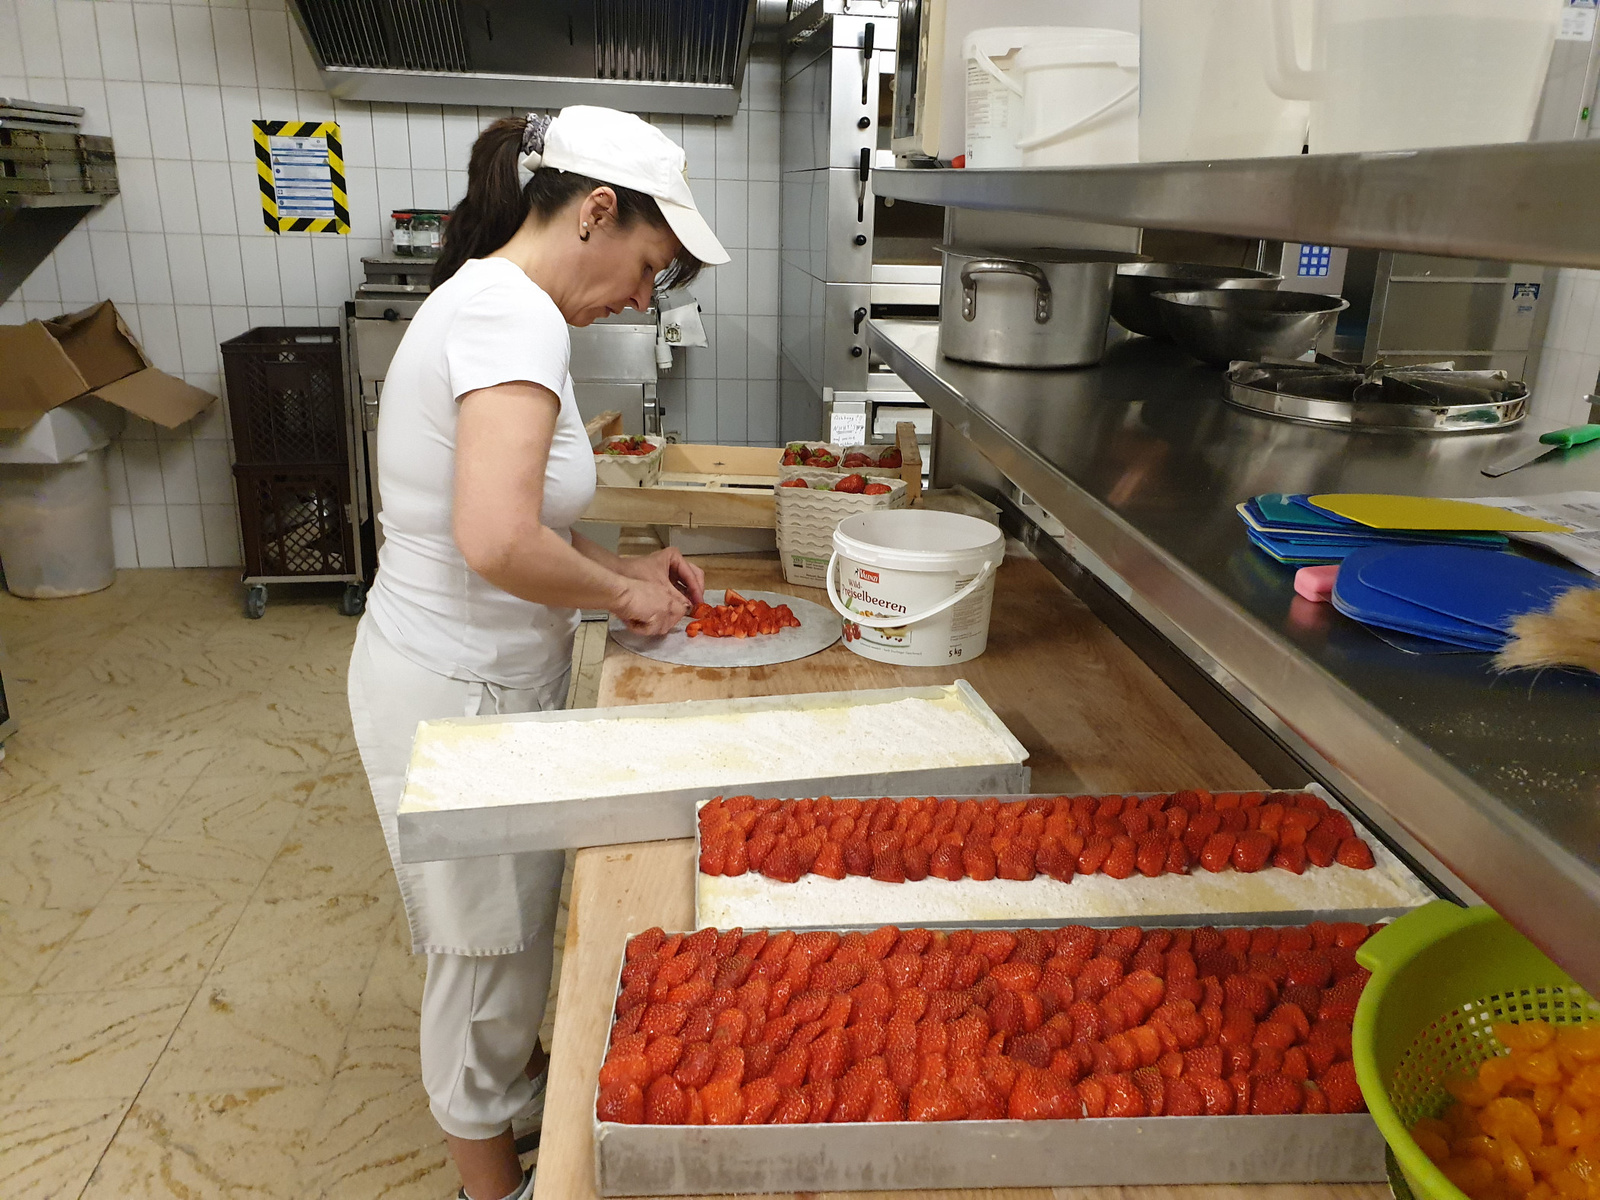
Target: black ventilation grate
x,y
694,41
409,35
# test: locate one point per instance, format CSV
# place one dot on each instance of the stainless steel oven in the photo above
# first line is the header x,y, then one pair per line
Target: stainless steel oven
x,y
846,254
613,364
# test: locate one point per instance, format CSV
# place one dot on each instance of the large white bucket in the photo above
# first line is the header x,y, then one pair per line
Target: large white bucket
x,y
915,586
1080,98
1204,71
1406,74
994,92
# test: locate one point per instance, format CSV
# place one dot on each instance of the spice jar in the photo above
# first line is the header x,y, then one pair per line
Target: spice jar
x,y
402,234
425,234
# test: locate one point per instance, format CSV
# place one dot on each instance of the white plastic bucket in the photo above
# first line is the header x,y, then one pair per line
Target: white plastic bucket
x,y
1204,67
55,527
1080,98
994,92
915,586
1407,74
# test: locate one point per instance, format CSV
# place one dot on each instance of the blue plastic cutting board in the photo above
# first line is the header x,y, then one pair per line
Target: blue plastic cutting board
x,y
1368,605
1279,508
1291,556
1486,588
1388,621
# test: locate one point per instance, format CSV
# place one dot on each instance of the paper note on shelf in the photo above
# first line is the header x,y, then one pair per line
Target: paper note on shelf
x,y
1578,513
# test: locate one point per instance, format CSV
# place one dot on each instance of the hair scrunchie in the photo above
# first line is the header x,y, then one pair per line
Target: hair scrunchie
x,y
533,135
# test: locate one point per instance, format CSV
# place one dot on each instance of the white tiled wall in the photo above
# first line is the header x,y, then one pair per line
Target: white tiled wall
x,y
1571,357
185,256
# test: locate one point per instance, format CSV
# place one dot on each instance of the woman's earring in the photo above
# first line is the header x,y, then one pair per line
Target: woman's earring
x,y
584,236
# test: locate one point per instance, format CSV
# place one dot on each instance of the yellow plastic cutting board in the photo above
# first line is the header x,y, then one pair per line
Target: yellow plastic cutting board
x,y
1428,512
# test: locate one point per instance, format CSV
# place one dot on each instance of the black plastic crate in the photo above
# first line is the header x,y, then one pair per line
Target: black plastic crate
x,y
294,521
286,395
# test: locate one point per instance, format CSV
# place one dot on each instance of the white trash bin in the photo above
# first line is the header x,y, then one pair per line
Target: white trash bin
x,y
55,527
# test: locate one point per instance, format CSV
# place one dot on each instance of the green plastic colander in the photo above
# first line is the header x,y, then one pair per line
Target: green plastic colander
x,y
1441,976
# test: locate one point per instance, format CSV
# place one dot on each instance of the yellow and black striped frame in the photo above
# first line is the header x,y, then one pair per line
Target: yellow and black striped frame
x,y
340,221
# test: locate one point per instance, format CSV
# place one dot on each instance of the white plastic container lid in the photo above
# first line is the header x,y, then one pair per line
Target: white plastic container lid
x,y
917,539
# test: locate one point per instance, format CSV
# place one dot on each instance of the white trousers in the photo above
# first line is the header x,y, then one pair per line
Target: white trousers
x,y
487,925
480,1021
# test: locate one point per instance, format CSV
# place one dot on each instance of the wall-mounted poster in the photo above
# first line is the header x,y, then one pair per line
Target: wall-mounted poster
x,y
300,167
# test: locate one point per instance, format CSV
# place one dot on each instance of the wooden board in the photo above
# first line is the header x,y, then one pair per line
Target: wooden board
x,y
726,487
1093,717
691,507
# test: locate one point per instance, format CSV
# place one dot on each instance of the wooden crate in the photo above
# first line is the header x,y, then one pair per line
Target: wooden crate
x,y
716,487
728,487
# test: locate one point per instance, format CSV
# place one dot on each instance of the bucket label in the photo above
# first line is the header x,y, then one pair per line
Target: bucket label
x,y
857,597
953,635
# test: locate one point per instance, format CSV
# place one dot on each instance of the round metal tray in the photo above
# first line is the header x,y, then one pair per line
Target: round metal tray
x,y
1396,401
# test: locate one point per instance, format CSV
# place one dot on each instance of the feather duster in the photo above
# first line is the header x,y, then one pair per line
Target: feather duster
x,y
1565,635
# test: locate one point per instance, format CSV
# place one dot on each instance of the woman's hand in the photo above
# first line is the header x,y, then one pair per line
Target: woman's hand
x,y
650,606
669,567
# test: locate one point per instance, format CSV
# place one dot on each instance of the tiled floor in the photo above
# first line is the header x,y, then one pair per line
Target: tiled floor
x,y
205,985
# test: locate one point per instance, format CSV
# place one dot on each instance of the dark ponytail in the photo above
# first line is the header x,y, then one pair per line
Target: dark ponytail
x,y
496,204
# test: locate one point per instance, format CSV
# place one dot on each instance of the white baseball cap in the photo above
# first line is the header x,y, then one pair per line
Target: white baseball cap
x,y
618,147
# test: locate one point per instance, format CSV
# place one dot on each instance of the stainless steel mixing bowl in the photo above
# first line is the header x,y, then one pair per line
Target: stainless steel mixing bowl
x,y
1223,326
1133,308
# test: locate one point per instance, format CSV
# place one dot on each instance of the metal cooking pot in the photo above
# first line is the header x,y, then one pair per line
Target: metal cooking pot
x,y
1036,307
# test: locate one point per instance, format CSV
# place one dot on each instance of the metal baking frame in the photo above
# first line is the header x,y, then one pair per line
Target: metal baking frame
x,y
1367,916
695,1160
479,830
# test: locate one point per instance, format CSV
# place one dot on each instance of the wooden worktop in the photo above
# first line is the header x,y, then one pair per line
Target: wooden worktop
x,y
1092,716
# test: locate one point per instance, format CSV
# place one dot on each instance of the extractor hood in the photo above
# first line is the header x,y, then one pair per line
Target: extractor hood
x,y
667,56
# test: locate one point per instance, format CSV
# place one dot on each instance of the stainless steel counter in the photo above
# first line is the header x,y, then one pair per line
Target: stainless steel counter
x,y
1140,459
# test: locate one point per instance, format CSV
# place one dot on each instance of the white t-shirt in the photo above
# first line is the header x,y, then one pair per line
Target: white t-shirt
x,y
488,324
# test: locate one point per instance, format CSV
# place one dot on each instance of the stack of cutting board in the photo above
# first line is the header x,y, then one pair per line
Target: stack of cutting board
x,y
1414,566
1417,566
1298,531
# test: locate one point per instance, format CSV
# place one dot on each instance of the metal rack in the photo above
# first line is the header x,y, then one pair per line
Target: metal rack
x,y
51,177
1518,202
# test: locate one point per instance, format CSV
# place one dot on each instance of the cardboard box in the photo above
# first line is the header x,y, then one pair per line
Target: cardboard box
x,y
48,363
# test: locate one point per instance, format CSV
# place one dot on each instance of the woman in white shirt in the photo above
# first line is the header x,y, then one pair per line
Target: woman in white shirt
x,y
484,466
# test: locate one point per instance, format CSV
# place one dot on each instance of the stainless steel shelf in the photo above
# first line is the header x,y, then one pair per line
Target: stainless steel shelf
x,y
83,200
1141,460
1521,202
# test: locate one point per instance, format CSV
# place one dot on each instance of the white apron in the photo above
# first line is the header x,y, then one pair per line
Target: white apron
x,y
473,906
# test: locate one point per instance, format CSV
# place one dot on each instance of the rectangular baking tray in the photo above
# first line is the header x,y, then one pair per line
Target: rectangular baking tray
x,y
806,915
465,824
696,1160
